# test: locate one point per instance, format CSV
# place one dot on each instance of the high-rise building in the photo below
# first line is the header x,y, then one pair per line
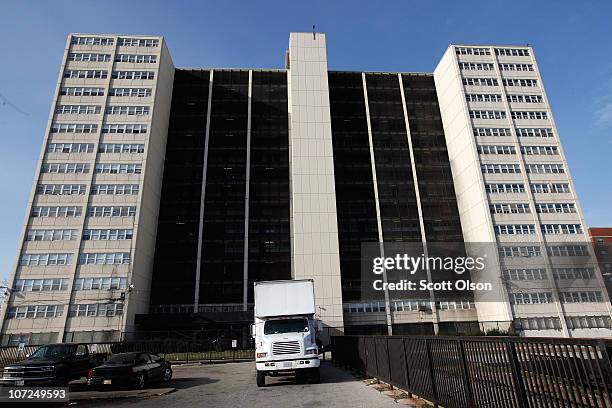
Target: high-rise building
x,y
163,193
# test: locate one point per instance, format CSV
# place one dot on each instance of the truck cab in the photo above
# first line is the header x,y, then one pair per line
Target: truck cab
x,y
285,330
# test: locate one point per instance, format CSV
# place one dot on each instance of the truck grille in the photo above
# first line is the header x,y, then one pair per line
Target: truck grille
x,y
285,347
26,372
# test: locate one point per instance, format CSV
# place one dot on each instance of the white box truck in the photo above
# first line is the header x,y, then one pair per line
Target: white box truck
x,y
285,329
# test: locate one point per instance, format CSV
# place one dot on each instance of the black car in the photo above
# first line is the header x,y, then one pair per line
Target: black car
x,y
136,369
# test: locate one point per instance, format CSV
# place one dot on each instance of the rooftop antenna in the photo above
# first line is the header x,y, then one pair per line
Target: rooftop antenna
x,y
314,35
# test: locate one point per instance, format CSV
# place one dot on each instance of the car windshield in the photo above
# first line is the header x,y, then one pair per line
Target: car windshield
x,y
126,358
286,326
53,352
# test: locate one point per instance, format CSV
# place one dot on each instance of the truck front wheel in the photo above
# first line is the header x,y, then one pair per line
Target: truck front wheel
x,y
315,376
261,378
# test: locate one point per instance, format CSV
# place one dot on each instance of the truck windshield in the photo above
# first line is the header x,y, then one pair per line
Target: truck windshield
x,y
286,326
53,352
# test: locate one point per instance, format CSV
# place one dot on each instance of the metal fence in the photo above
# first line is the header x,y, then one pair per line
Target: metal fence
x,y
174,351
485,371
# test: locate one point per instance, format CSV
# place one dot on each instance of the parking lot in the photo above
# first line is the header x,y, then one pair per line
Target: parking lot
x,y
233,385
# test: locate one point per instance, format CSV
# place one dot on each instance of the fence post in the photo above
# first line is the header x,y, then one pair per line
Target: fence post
x,y
466,381
517,376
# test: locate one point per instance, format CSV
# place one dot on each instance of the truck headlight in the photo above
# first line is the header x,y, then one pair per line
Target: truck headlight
x,y
311,351
261,355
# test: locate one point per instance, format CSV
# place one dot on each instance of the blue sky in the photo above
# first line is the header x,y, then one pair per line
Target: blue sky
x,y
572,41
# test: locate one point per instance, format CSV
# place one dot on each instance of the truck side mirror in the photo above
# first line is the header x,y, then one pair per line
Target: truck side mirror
x,y
252,329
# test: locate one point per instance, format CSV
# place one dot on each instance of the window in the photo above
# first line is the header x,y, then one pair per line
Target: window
x,y
107,234
550,188
520,82
127,110
61,189
70,147
45,259
77,56
581,297
568,250
573,273
478,131
537,323
124,128
480,81
77,109
34,312
546,168
478,114
515,229
555,207
40,285
504,188
65,168
136,58
86,73
96,310
114,189
77,91
525,98
133,75
492,149
483,97
522,251
516,67
73,128
111,211
540,150
104,258
534,132
132,92
513,208
525,274
56,212
476,66
532,298
555,229
121,148
118,168
138,42
540,115
472,51
92,41
31,339
500,168
512,52
50,234
100,283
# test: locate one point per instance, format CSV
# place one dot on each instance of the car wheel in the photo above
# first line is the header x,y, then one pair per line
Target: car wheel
x,y
261,378
141,381
167,374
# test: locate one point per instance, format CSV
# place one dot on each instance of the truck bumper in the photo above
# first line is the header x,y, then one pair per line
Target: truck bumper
x,y
288,365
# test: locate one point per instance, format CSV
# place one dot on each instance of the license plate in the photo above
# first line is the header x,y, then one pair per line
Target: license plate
x,y
287,364
18,383
107,382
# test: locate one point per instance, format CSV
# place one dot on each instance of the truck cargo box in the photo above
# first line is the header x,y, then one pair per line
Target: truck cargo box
x,y
284,297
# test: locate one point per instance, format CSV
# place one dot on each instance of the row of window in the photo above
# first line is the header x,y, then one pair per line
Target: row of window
x,y
100,168
504,168
498,98
541,115
96,310
405,306
523,208
491,114
46,285
566,297
136,58
102,74
65,168
573,323
527,251
89,91
123,42
540,274
528,229
486,66
100,283
111,234
35,312
102,148
95,211
581,297
510,52
520,188
522,82
51,234
78,109
88,57
93,128
80,189
127,110
52,259
118,168
529,150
